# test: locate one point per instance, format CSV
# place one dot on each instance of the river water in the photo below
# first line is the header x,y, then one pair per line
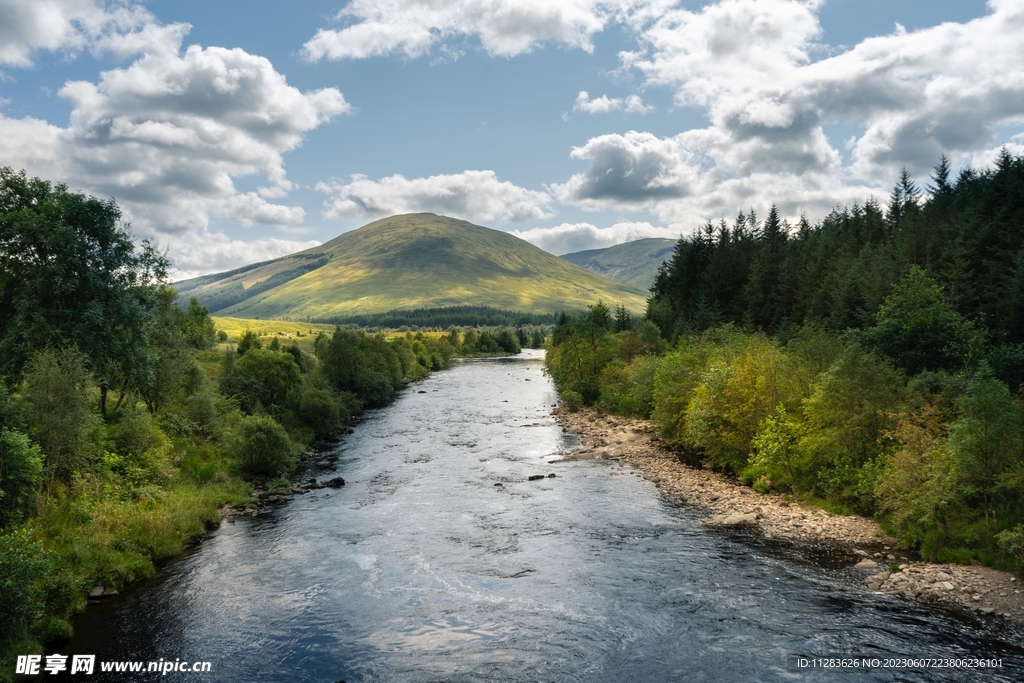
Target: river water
x,y
422,568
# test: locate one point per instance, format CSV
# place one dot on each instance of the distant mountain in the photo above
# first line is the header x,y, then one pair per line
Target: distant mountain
x,y
633,263
410,261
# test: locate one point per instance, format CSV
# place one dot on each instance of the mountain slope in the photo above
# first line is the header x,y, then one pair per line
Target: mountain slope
x,y
633,263
409,261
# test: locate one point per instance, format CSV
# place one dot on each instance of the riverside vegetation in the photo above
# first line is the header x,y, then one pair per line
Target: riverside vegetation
x,y
127,420
872,363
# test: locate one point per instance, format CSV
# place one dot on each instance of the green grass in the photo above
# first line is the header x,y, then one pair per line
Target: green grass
x,y
411,261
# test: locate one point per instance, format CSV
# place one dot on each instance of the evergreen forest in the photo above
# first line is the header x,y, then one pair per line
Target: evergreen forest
x,y
871,363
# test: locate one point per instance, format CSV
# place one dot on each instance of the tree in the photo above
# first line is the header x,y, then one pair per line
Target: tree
x,y
57,410
986,441
250,340
198,326
70,275
274,370
623,319
918,328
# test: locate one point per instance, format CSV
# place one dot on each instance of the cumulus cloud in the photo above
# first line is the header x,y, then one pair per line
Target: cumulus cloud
x,y
167,135
571,237
769,91
632,104
917,94
504,27
73,25
634,169
471,195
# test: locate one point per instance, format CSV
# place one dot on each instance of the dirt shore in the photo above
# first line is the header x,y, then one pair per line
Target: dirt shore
x,y
886,568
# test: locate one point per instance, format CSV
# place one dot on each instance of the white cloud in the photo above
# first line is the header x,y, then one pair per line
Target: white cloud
x,y
167,135
571,237
73,25
632,104
750,67
917,94
503,27
635,169
471,195
214,252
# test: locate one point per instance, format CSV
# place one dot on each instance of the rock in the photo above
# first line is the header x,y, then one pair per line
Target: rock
x,y
732,519
421,392
335,483
535,477
866,564
942,576
499,484
96,592
862,553
986,610
551,476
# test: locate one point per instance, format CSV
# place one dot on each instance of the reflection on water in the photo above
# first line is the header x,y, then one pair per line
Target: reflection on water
x,y
423,568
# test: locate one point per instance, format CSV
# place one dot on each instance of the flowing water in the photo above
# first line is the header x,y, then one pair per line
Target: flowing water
x,y
423,568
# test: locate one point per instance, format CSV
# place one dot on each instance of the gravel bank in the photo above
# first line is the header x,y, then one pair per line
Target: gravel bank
x,y
636,442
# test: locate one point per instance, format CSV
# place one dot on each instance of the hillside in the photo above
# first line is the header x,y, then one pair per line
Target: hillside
x,y
633,263
409,261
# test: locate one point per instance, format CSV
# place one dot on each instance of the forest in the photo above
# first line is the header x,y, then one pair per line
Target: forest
x,y
870,363
127,420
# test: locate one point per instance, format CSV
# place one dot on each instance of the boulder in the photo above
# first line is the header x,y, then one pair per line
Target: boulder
x,y
534,477
335,483
866,564
732,519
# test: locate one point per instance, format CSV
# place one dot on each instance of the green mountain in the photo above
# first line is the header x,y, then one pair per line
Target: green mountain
x,y
410,261
633,263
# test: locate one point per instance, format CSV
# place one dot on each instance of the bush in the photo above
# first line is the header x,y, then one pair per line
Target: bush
x,y
263,446
22,562
275,371
321,412
21,471
1011,542
572,400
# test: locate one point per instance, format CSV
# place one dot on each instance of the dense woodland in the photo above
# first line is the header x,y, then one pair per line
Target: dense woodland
x,y
871,363
127,419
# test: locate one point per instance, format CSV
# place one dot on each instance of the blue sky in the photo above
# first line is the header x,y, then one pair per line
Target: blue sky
x,y
234,131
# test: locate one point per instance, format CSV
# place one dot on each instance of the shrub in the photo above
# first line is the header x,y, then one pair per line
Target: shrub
x,y
21,471
263,446
572,400
275,371
1011,541
22,562
321,411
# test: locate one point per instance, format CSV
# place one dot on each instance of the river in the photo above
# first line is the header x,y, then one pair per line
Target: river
x,y
440,561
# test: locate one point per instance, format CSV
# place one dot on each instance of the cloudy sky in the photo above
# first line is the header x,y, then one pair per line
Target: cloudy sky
x,y
232,131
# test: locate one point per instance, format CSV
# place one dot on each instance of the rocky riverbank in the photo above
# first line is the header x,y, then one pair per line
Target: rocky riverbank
x,y
887,569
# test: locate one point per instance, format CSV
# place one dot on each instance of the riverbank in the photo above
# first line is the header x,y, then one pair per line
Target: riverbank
x,y
983,590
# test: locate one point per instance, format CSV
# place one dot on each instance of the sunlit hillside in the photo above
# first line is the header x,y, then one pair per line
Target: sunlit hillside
x,y
409,261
